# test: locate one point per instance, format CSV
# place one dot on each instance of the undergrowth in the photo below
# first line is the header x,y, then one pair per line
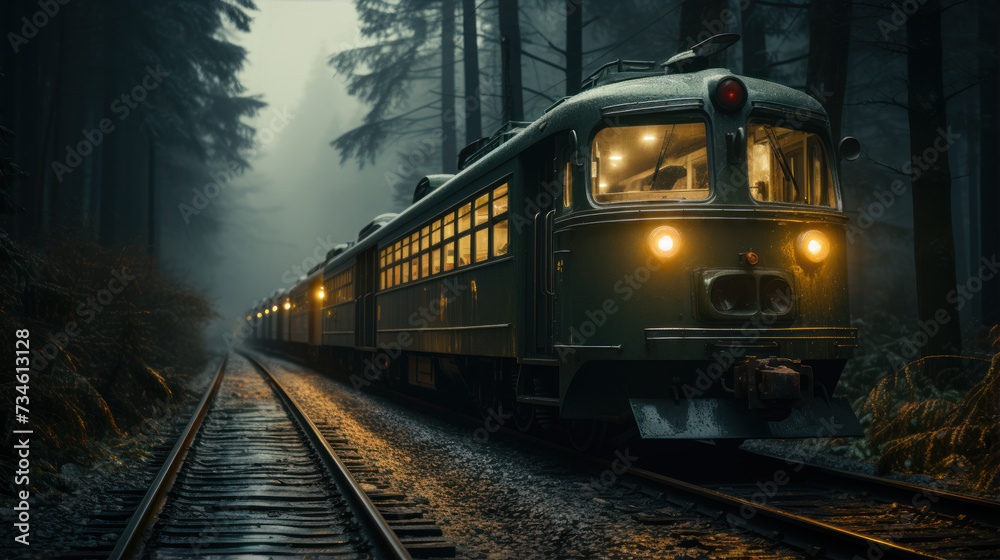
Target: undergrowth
x,y
112,341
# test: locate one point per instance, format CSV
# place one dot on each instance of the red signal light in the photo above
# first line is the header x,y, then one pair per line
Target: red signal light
x,y
730,94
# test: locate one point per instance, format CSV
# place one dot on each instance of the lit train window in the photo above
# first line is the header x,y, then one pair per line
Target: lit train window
x,y
406,248
406,272
435,261
482,209
449,225
415,269
464,218
414,238
396,272
500,238
786,165
482,244
464,250
650,163
425,265
449,256
435,234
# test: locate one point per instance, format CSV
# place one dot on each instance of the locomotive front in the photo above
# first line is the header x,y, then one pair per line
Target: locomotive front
x,y
701,276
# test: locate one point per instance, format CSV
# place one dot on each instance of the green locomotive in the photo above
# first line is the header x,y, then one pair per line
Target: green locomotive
x,y
666,248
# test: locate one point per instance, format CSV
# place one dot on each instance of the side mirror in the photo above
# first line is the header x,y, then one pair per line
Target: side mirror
x,y
849,148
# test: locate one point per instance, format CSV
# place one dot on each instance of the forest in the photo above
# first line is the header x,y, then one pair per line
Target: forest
x,y
111,113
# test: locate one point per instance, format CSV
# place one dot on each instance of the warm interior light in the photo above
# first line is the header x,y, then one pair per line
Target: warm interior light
x,y
259,315
274,308
288,305
248,317
664,241
321,294
814,245
616,158
267,311
649,137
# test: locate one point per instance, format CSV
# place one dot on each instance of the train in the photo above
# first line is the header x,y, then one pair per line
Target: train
x,y
664,251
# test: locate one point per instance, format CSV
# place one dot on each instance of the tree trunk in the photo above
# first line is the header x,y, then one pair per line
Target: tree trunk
x,y
754,42
510,52
829,45
700,19
574,46
989,149
473,105
449,143
933,239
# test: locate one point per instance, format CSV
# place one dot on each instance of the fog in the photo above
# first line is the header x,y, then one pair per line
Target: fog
x,y
298,199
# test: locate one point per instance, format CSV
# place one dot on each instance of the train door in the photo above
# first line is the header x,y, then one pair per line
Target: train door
x,y
540,204
365,319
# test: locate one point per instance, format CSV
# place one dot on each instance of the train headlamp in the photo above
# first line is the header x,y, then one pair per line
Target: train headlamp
x,y
730,94
664,241
813,245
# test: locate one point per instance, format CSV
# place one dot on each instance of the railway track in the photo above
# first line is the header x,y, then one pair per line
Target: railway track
x,y
822,512
252,477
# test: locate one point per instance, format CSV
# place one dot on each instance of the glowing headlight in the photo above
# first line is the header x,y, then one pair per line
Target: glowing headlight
x,y
288,305
814,245
664,241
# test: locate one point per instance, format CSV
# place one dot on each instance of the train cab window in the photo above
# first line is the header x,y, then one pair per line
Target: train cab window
x,y
425,265
500,238
464,220
786,165
449,225
436,261
449,256
650,163
406,248
464,255
415,269
382,280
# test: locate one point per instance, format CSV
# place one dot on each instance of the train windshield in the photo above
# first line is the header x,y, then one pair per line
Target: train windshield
x,y
650,163
787,165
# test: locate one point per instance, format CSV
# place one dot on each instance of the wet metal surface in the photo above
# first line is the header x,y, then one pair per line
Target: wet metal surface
x,y
252,486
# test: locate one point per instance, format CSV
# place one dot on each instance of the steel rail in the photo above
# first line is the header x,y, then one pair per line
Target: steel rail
x,y
130,541
384,540
978,510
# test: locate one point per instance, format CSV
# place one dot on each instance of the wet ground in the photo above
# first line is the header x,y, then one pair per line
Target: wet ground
x,y
500,499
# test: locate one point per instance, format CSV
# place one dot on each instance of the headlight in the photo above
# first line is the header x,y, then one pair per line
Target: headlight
x,y
664,242
813,245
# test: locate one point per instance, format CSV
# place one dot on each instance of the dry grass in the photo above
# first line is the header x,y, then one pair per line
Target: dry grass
x,y
128,358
